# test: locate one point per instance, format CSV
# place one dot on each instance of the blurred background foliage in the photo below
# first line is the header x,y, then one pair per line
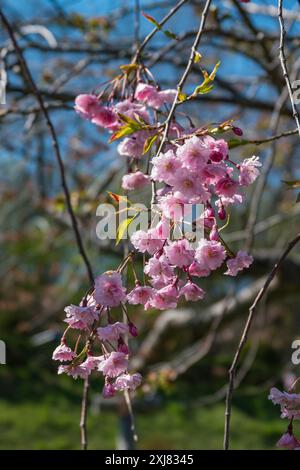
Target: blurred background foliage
x,y
181,406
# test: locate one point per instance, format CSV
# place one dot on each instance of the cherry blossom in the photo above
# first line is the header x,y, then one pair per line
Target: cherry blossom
x,y
240,262
109,291
114,364
135,180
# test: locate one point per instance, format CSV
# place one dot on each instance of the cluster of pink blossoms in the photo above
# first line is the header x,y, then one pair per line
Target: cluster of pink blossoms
x,y
193,168
290,409
113,363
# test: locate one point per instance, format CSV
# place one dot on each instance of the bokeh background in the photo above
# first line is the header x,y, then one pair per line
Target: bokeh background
x,y
72,47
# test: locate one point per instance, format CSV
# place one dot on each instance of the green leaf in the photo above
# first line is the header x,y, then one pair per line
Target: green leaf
x,y
293,184
132,122
149,142
151,19
207,84
213,74
197,57
117,197
129,127
122,132
170,35
182,97
122,229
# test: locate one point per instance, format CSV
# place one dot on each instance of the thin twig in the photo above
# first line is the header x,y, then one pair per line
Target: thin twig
x,y
83,416
283,64
157,28
28,77
244,337
266,140
137,10
185,75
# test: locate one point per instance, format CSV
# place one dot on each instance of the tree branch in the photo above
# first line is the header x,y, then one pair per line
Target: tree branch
x,y
244,337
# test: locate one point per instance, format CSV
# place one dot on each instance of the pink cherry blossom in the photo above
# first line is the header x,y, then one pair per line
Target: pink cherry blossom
x,y
191,186
179,253
174,206
149,95
80,370
193,154
249,170
112,332
240,262
86,105
198,270
133,146
139,295
218,149
135,180
109,291
289,400
165,167
132,109
288,441
227,201
105,117
226,187
108,390
213,172
128,382
165,298
63,353
192,292
145,92
92,362
115,364
159,267
210,254
81,317
147,241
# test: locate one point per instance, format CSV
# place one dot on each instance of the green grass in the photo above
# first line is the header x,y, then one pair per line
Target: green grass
x,y
50,425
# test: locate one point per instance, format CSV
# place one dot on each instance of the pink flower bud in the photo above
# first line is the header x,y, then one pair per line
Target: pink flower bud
x,y
108,390
132,329
222,213
122,347
214,234
237,130
216,156
210,212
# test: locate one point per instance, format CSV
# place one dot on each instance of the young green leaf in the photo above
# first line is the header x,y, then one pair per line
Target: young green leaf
x,y
117,197
149,142
122,229
182,97
170,35
292,184
207,84
197,57
151,19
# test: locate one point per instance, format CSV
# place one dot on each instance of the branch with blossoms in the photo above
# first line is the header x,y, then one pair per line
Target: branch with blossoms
x,y
186,166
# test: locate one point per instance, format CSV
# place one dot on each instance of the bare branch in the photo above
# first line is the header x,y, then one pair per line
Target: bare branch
x,y
244,337
283,63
